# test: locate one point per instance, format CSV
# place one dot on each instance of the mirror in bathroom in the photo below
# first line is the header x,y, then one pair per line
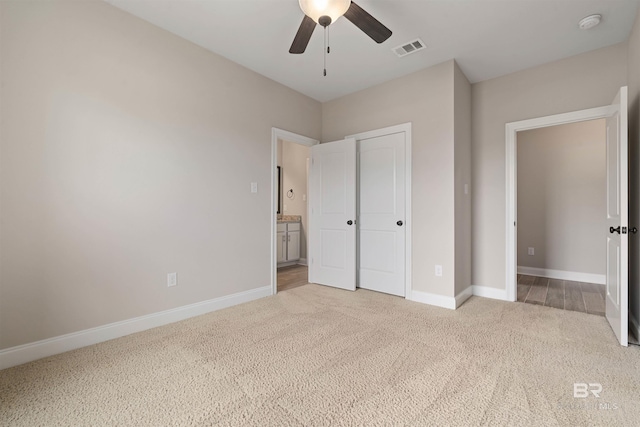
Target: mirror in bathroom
x,y
279,191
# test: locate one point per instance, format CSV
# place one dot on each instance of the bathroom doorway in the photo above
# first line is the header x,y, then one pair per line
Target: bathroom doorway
x,y
291,154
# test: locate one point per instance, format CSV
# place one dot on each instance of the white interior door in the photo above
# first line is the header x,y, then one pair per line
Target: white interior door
x,y
617,216
381,214
332,245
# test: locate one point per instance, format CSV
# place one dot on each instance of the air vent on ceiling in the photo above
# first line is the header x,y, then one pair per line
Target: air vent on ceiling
x,y
410,47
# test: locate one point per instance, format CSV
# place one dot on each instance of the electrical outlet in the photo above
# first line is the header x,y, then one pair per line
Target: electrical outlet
x,y
254,187
172,279
531,251
439,270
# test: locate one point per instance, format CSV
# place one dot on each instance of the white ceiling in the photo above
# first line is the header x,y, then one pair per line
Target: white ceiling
x,y
488,38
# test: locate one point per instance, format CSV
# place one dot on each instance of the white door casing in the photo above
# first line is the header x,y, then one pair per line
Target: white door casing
x,y
332,190
617,276
510,292
381,213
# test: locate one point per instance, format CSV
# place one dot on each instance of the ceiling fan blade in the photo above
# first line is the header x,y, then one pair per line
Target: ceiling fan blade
x,y
367,23
303,35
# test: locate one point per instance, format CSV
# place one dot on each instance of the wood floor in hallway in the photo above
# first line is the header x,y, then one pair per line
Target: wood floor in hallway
x,y
564,294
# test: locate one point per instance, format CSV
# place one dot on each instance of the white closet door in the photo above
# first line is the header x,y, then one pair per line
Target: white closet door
x,y
381,214
333,213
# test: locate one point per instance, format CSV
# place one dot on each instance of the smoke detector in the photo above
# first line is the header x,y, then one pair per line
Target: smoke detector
x,y
589,22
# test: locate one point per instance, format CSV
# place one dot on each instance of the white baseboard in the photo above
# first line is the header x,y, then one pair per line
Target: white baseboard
x,y
453,303
433,299
287,264
301,261
488,292
463,296
634,326
32,351
599,279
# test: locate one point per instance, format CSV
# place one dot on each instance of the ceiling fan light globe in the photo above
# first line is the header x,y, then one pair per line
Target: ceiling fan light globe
x,y
334,9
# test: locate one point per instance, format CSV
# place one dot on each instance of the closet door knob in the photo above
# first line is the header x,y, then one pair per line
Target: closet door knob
x,y
614,230
400,223
349,222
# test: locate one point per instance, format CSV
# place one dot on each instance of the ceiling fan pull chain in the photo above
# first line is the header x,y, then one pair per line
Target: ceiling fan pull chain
x,y
325,52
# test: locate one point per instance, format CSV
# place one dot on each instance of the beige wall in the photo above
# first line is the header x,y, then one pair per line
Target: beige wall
x,y
462,168
127,153
583,81
425,99
562,197
633,77
294,176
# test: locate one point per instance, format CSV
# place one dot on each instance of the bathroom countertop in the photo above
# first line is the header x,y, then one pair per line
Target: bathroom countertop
x,y
288,218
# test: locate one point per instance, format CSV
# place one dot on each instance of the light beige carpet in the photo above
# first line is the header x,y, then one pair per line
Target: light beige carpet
x,y
319,356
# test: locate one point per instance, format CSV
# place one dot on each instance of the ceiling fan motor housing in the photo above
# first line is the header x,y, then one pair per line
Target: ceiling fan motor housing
x,y
324,20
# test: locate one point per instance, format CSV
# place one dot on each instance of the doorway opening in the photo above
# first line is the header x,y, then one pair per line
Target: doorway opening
x,y
512,130
616,212
561,216
290,215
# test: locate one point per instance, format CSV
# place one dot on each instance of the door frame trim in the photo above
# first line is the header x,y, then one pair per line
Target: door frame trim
x,y
406,128
511,193
284,135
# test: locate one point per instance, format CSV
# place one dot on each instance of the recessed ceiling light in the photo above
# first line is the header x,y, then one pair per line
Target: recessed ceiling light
x,y
589,22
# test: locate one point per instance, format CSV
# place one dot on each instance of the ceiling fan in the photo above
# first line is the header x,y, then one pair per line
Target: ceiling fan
x,y
324,12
